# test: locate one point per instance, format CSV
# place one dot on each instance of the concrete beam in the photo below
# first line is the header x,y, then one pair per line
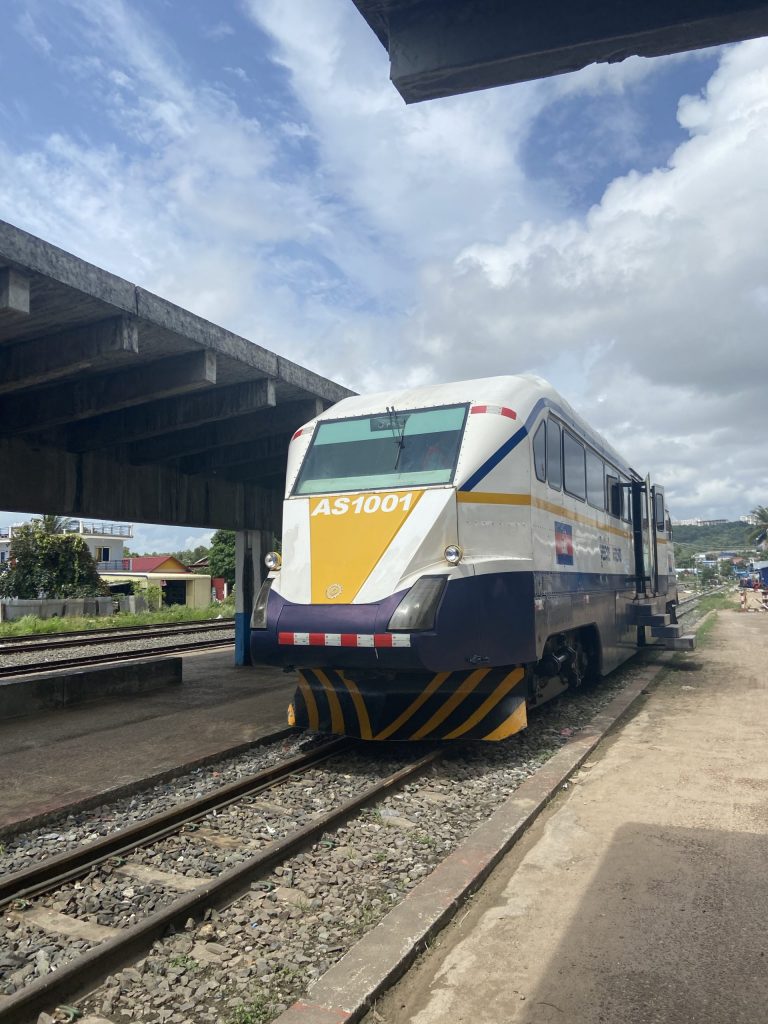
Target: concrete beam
x,y
444,47
256,472
27,253
170,415
245,453
29,364
250,547
81,399
284,418
14,292
45,479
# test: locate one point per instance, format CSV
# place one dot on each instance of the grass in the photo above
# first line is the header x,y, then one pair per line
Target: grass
x,y
183,960
718,602
260,1010
262,1007
31,625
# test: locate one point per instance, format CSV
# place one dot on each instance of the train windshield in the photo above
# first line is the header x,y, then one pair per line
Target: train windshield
x,y
397,448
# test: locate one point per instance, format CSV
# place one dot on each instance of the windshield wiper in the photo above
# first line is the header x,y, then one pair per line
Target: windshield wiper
x,y
397,427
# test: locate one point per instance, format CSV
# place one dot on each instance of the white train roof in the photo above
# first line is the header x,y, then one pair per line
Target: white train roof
x,y
520,392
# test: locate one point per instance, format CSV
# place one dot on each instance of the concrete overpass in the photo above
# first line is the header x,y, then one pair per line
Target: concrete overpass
x,y
444,47
117,404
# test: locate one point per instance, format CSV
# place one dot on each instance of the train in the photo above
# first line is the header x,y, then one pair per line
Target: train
x,y
454,555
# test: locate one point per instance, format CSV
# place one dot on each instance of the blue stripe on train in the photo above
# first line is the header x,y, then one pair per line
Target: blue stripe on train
x,y
512,443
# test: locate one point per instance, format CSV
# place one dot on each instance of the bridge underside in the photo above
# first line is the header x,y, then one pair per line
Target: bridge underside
x,y
117,404
444,47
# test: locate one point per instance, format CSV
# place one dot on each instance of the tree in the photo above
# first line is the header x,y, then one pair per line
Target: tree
x,y
190,555
759,531
708,575
53,524
221,557
49,564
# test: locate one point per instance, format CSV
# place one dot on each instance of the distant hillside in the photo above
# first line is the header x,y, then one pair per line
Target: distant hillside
x,y
726,537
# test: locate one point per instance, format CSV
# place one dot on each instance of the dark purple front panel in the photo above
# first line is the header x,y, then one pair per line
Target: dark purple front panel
x,y
482,621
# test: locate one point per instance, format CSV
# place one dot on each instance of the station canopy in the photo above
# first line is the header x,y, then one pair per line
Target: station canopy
x,y
444,47
117,404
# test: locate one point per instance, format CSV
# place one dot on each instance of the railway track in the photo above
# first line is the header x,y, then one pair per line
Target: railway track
x,y
94,637
59,664
128,859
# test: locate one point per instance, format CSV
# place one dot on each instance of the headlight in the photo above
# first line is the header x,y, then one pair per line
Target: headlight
x,y
259,617
418,608
272,560
453,554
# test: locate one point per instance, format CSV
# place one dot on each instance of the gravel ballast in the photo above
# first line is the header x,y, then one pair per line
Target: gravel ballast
x,y
47,657
245,964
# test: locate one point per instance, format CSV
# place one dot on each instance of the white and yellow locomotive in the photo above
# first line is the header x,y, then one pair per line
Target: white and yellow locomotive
x,y
453,555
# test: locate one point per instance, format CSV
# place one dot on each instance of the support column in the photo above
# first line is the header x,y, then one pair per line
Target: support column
x,y
250,548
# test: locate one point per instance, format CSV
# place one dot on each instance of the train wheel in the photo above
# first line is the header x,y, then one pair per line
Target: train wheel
x,y
584,663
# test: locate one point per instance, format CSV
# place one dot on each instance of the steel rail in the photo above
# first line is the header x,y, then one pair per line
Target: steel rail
x,y
61,664
86,972
90,637
63,867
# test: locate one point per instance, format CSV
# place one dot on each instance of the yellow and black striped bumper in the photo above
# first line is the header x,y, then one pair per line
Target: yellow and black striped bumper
x,y
488,704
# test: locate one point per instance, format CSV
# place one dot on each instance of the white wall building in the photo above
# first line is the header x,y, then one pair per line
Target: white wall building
x,y
106,541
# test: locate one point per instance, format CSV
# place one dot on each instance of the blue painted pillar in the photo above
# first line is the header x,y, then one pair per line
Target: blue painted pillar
x,y
249,571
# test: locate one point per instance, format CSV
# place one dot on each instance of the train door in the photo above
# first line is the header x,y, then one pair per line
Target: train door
x,y
644,537
658,529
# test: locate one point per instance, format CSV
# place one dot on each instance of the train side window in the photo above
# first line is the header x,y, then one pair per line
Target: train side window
x,y
540,451
574,468
659,511
614,495
595,481
554,456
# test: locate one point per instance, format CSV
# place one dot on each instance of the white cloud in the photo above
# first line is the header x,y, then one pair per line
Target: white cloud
x,y
379,242
239,73
660,288
29,30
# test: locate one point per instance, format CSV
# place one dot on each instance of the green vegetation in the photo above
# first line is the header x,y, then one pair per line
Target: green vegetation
x,y
29,624
692,540
725,537
221,558
286,985
184,960
759,531
45,561
721,601
260,1010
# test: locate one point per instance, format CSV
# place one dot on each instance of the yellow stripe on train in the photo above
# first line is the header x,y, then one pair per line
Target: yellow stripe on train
x,y
348,535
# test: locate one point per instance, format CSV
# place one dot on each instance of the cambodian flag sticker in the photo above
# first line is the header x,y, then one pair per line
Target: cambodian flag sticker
x,y
564,543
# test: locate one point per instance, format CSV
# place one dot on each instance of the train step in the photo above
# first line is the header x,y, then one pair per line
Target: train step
x,y
644,615
681,643
667,631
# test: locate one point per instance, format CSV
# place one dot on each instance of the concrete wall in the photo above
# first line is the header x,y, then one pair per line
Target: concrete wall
x,y
91,485
14,609
198,591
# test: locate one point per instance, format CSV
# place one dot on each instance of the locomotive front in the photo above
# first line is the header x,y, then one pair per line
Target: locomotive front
x,y
393,633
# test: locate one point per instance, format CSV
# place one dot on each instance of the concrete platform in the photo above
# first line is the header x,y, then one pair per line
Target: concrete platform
x,y
70,756
641,893
48,691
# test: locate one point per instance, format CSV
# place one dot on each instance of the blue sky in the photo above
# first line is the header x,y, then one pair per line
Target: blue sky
x,y
250,160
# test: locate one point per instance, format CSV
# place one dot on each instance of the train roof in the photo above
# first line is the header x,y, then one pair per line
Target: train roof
x,y
520,392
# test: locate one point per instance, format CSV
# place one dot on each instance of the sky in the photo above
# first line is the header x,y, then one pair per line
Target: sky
x,y
251,161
